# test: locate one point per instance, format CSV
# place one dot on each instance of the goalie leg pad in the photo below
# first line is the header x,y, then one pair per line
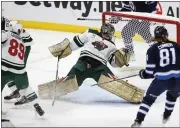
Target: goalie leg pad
x,y
63,86
63,46
122,89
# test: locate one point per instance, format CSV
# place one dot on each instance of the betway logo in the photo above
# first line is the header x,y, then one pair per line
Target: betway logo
x,y
85,6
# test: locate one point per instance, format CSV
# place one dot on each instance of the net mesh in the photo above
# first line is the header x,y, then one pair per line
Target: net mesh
x,y
140,26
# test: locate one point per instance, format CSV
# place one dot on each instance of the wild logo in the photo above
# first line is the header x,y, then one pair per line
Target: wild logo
x,y
99,45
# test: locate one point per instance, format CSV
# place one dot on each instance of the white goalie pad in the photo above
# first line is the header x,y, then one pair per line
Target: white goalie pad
x,y
63,46
122,89
63,87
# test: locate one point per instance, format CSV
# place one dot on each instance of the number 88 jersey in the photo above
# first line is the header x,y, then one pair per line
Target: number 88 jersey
x,y
13,50
163,61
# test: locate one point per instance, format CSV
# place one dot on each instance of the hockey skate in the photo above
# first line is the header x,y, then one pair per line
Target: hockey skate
x,y
136,124
26,101
6,123
165,119
13,95
22,101
38,109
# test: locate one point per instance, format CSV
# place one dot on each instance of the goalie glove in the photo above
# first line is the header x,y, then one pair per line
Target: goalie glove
x,y
122,57
61,49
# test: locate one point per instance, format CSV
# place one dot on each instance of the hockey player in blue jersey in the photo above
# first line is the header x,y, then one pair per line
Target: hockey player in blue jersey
x,y
163,64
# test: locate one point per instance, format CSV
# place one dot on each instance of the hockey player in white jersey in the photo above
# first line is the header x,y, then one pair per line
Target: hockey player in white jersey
x,y
28,41
13,65
98,48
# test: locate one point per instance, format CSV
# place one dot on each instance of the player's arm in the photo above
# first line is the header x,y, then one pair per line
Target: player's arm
x,y
27,39
150,64
79,40
26,54
4,36
65,47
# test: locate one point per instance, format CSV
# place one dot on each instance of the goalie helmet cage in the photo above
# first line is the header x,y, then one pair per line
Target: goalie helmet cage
x,y
173,24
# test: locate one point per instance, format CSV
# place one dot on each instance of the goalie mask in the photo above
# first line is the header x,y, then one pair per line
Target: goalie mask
x,y
107,31
161,34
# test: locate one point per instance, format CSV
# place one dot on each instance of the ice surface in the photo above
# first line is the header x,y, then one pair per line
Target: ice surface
x,y
89,106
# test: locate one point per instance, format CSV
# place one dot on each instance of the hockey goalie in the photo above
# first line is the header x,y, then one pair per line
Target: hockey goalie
x,y
98,48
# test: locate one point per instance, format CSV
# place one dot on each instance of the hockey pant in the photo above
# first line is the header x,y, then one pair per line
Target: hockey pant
x,y
156,88
20,80
83,70
131,28
12,84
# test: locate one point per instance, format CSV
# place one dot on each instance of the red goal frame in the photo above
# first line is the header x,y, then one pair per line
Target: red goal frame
x,y
121,14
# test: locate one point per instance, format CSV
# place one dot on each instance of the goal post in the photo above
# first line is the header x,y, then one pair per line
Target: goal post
x,y
173,24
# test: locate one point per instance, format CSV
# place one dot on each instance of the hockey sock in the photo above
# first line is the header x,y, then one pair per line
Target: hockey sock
x,y
29,93
12,86
143,109
169,105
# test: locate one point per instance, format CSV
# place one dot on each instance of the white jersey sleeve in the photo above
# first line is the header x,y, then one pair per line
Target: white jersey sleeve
x,y
13,51
5,35
94,46
79,40
27,39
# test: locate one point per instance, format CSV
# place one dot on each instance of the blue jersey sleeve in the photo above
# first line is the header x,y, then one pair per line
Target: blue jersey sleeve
x,y
150,62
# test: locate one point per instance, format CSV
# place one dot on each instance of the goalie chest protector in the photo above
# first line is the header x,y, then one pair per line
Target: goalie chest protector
x,y
95,46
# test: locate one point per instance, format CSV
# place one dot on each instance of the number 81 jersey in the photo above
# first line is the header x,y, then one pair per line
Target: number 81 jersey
x,y
13,50
163,60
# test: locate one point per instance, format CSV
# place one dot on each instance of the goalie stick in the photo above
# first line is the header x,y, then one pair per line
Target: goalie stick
x,y
54,96
116,79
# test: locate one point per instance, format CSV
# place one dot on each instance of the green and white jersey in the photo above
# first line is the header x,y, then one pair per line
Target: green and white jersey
x,y
93,45
13,50
27,39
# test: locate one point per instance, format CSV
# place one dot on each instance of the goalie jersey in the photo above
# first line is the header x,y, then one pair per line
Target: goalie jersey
x,y
94,46
163,61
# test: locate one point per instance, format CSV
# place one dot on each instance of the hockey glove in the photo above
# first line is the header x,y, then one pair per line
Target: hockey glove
x,y
142,74
61,49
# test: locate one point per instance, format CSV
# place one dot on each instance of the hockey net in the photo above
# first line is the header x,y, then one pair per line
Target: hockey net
x,y
120,20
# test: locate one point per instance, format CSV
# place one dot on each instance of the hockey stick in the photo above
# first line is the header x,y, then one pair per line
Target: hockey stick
x,y
116,79
96,19
54,96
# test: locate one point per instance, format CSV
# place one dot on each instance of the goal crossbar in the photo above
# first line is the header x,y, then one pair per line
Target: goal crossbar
x,y
146,16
